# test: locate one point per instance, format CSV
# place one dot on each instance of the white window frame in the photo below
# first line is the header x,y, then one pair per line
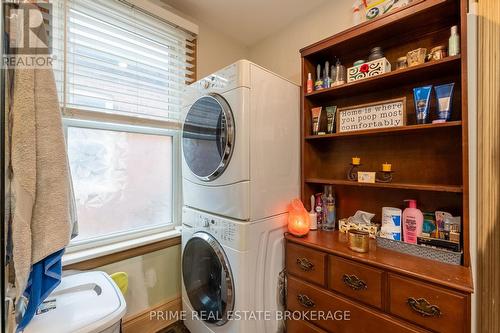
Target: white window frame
x,y
120,237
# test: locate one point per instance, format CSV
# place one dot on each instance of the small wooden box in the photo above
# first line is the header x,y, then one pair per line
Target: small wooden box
x,y
368,69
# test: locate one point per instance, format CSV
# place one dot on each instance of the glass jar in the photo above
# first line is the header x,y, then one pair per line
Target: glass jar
x,y
401,63
376,53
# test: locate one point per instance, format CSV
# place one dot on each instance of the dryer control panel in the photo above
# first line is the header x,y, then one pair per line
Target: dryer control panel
x,y
225,231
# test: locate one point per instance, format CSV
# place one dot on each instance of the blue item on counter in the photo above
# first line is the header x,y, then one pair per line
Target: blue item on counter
x,y
444,95
422,96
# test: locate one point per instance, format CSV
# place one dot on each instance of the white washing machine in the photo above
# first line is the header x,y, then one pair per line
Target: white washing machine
x,y
230,268
240,143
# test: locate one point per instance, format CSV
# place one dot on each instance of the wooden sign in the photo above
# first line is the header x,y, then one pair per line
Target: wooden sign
x,y
383,114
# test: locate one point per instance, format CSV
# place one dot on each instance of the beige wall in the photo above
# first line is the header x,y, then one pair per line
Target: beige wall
x,y
215,50
153,278
280,51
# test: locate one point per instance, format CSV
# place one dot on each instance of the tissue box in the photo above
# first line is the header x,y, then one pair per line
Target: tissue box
x,y
368,69
346,224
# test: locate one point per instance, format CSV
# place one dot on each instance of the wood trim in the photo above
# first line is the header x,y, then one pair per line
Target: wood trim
x,y
147,322
193,77
118,118
123,255
488,166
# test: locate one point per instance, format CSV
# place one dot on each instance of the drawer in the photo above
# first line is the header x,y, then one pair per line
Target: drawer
x,y
355,280
306,263
435,308
300,326
320,306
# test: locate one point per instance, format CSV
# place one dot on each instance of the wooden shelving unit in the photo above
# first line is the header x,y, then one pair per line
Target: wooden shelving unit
x,y
430,161
389,130
392,185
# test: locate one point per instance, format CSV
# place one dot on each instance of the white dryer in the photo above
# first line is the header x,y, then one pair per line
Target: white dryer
x,y
231,273
240,143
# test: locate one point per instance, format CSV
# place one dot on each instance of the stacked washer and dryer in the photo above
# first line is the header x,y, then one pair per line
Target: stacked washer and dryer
x,y
240,142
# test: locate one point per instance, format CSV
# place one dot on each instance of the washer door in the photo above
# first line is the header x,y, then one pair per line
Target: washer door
x,y
208,137
207,278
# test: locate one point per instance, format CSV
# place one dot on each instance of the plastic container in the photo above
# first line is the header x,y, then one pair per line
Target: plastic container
x,y
83,303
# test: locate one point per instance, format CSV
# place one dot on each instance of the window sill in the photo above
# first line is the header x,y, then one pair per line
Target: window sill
x,y
71,260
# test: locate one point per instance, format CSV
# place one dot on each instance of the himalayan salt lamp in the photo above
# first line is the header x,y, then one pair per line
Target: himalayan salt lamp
x,y
298,219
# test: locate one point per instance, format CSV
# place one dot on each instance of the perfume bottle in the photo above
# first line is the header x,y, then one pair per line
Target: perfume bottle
x,y
329,208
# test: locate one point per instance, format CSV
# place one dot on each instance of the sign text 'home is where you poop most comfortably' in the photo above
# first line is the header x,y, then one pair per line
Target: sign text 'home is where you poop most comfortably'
x,y
390,113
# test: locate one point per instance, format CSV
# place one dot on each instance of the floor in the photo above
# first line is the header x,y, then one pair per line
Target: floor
x,y
175,328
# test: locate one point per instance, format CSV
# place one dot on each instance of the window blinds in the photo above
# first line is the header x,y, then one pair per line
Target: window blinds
x,y
114,58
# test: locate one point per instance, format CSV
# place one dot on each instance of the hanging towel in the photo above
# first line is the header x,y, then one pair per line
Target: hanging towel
x,y
44,278
40,185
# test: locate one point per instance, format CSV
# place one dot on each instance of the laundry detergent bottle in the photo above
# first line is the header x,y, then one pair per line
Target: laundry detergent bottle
x,y
413,221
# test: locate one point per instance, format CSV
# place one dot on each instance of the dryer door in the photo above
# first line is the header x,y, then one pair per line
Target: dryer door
x,y
207,278
208,137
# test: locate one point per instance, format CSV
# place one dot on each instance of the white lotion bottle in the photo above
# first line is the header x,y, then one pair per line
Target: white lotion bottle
x,y
454,42
313,216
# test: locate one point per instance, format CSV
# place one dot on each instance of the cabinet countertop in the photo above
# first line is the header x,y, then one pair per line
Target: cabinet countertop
x,y
447,275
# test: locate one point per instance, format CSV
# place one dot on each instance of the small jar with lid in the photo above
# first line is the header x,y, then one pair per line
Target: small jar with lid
x,y
401,63
375,53
437,53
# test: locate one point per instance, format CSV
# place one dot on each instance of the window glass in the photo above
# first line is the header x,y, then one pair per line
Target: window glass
x,y
122,180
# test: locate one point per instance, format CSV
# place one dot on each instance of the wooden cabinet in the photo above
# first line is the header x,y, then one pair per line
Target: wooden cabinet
x,y
379,291
356,280
428,305
306,264
386,291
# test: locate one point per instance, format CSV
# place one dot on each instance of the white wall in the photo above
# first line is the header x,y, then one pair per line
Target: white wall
x,y
280,51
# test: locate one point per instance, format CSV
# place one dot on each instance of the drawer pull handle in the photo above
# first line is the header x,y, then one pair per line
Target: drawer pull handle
x,y
353,282
423,307
305,301
305,264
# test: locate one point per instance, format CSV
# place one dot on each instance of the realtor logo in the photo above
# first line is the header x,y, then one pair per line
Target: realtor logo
x,y
29,30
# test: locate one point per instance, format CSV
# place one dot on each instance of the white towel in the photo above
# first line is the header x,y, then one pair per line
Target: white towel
x,y
40,185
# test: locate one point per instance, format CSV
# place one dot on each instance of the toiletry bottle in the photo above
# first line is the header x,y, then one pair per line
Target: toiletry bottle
x,y
356,15
318,84
454,42
309,83
413,221
313,216
329,207
326,77
318,206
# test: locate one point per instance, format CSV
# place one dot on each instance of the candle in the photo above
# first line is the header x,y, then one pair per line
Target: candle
x,y
298,219
356,161
387,167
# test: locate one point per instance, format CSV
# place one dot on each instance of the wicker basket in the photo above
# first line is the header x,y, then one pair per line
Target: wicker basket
x,y
449,257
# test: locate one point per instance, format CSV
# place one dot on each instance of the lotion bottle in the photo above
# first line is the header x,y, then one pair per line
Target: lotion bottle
x,y
313,216
454,42
413,221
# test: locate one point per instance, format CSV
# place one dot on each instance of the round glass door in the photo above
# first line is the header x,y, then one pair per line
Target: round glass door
x,y
207,278
208,137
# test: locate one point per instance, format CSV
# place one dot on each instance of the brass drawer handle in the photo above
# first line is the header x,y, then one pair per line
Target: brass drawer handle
x,y
353,282
305,264
423,307
305,301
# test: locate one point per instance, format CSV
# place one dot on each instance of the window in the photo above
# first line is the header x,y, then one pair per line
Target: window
x,y
120,74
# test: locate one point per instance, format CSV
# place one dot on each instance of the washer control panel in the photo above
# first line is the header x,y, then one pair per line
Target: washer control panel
x,y
227,232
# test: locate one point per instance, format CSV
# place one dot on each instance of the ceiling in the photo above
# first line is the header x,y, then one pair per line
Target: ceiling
x,y
247,21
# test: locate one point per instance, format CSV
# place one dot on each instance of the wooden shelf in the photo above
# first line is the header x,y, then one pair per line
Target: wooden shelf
x,y
420,12
402,186
392,78
389,130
